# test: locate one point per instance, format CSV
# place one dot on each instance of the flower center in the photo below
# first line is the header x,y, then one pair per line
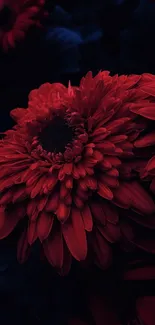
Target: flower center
x,y
55,136
5,18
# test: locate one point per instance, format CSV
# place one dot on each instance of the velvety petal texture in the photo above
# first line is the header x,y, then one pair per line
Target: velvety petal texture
x,y
76,167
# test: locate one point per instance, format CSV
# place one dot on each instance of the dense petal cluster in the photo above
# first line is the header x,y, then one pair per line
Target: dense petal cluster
x,y
71,168
16,17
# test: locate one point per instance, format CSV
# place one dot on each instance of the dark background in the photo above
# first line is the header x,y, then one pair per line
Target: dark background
x,y
118,36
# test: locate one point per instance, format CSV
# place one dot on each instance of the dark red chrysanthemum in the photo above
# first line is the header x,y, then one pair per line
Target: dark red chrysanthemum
x,y
70,168
16,17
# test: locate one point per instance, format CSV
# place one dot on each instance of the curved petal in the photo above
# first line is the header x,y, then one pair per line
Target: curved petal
x,y
102,251
53,248
23,248
44,225
145,307
75,236
10,223
146,272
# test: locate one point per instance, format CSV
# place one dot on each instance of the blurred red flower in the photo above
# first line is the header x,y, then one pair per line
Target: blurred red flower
x,y
145,307
71,169
101,312
148,140
16,17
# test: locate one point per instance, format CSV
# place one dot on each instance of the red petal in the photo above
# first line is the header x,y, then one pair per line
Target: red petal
x,y
148,245
145,307
44,225
147,111
110,232
68,168
146,221
32,232
75,173
2,217
98,213
17,114
118,138
63,191
110,213
81,170
97,155
69,182
150,90
99,131
23,248
116,125
91,183
75,236
67,259
6,198
42,203
141,200
140,273
37,188
19,195
52,203
113,172
114,161
53,248
49,183
109,180
145,141
87,218
63,212
121,197
152,186
78,202
132,195
9,224
127,231
104,191
32,207
102,250
105,146
151,164
103,311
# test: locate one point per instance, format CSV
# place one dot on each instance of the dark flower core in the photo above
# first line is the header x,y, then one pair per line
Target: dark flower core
x,y
5,18
55,136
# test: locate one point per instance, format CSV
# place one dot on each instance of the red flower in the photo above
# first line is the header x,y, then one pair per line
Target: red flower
x,y
104,302
69,167
16,17
101,312
145,307
148,139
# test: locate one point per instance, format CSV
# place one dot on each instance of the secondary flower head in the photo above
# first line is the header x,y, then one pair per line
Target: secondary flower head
x,y
148,140
70,169
16,17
